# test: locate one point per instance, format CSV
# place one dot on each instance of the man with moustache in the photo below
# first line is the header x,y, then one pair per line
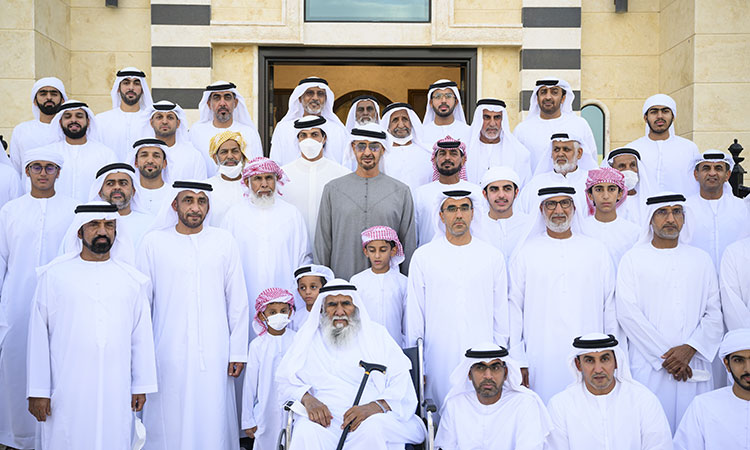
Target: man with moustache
x,y
444,115
150,159
169,124
364,110
409,160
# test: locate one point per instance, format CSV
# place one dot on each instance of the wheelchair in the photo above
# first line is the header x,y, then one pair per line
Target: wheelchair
x,y
425,407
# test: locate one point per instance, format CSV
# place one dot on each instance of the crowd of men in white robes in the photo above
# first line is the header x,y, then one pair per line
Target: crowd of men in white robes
x,y
168,286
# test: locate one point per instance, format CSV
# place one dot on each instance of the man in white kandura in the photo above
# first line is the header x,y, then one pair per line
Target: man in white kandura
x,y
492,144
200,310
149,156
168,122
229,152
131,104
668,305
364,110
444,115
322,371
488,408
628,162
91,347
560,281
31,226
604,408
457,291
717,420
735,285
408,160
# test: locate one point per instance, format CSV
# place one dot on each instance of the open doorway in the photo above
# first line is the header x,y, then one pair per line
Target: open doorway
x,y
390,75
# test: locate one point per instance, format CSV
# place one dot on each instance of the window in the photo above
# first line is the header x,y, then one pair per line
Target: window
x,y
595,116
367,10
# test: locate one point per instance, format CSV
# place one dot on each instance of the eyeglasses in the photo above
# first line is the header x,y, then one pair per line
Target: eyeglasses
x,y
664,212
481,367
374,146
551,205
49,168
454,208
447,96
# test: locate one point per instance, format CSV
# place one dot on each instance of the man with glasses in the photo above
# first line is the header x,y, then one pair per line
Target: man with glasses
x,y
560,281
668,305
444,115
358,201
457,292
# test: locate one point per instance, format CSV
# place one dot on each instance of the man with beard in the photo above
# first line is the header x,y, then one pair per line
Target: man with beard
x,y
492,144
46,97
551,110
718,419
448,159
361,200
311,97
560,281
278,237
364,110
322,371
223,108
473,306
35,221
169,124
668,158
91,346
200,313
488,408
131,103
604,407
408,160
82,155
150,158
668,305
444,115
228,152
115,184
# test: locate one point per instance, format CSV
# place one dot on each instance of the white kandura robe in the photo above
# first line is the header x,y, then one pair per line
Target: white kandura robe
x,y
384,296
30,230
260,404
456,296
634,208
135,225
628,418
666,298
668,164
535,134
512,423
284,148
80,164
717,223
618,236
202,132
432,133
29,135
151,200
10,184
272,243
200,314
305,186
426,200
186,162
716,420
226,194
481,158
119,130
559,289
410,164
90,348
505,234
735,285
528,198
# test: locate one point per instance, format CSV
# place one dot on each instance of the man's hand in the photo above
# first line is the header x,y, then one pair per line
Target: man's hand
x,y
676,361
357,414
525,376
316,411
235,369
137,401
250,432
39,407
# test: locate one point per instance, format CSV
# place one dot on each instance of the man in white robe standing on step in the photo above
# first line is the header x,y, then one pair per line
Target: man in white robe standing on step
x,y
200,313
168,122
444,115
408,160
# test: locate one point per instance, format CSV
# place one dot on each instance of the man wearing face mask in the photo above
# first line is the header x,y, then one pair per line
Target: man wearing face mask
x,y
628,161
228,151
309,173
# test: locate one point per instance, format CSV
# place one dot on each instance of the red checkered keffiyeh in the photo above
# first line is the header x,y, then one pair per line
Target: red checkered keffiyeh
x,y
270,295
436,147
259,165
605,175
384,233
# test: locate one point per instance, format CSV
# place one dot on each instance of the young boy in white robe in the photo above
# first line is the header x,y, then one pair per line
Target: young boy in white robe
x,y
261,411
310,278
382,286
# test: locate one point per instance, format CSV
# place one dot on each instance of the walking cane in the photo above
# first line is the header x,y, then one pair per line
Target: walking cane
x,y
369,367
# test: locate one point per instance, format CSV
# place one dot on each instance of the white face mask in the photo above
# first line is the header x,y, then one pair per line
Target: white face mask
x,y
401,141
230,171
310,148
278,321
631,179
